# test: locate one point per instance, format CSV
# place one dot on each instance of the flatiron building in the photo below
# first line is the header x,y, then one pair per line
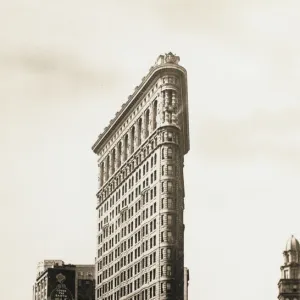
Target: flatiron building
x,y
140,201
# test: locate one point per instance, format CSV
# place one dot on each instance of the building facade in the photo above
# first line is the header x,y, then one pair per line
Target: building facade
x,y
58,281
289,283
140,201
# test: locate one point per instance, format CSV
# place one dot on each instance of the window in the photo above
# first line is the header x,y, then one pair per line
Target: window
x,y
170,187
170,170
169,270
169,253
170,203
168,287
139,132
125,147
170,220
169,153
147,124
170,236
154,115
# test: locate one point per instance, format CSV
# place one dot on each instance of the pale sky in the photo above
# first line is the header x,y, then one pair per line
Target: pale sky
x,y
67,66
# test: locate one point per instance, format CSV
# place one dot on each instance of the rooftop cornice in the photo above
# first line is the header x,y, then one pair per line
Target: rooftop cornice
x,y
167,61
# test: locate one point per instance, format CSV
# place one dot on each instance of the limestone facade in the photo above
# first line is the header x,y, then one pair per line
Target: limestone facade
x,y
140,201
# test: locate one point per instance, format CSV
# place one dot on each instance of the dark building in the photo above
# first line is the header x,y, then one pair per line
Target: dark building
x,y
58,281
289,284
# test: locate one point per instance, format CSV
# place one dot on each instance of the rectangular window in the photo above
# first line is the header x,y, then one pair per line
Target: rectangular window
x,y
170,153
170,170
170,187
170,236
169,270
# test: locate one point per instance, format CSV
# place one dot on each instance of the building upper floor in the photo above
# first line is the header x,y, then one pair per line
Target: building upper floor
x,y
160,100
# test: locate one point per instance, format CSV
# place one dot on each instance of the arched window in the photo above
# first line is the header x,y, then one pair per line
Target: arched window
x,y
113,161
119,154
132,139
154,115
147,124
139,137
125,147
107,167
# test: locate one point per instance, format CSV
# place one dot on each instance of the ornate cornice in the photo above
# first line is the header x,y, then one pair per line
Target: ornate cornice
x,y
168,61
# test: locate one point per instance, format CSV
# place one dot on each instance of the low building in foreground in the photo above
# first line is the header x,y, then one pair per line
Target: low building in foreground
x,y
59,281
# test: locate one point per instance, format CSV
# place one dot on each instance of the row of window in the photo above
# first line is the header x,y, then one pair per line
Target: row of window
x,y
166,219
107,259
165,136
145,294
127,170
145,197
123,189
132,140
165,253
146,262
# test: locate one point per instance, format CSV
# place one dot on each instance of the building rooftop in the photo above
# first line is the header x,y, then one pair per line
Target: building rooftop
x,y
292,244
166,59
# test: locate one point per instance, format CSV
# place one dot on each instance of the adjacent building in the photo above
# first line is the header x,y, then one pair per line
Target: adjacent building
x,y
59,281
140,201
289,284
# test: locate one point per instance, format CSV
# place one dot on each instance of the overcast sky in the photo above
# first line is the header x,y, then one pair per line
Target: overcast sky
x,y
67,66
